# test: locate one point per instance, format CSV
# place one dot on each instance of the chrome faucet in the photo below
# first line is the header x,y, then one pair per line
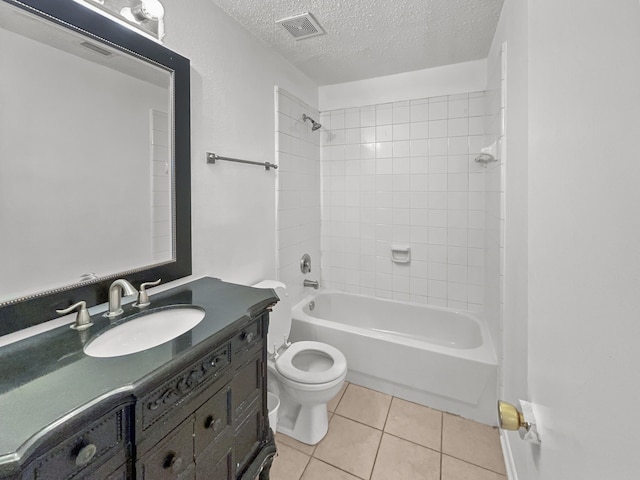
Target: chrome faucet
x,y
311,283
117,290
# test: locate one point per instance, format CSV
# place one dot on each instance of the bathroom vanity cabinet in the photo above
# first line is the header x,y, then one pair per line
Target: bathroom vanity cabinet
x,y
201,416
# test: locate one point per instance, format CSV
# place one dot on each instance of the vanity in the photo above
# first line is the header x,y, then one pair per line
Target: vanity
x,y
191,408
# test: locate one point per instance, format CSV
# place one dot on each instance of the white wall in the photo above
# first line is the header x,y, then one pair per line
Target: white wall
x,y
583,230
494,200
432,82
232,114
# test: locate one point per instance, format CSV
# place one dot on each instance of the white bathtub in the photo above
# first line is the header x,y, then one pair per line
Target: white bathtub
x,y
429,355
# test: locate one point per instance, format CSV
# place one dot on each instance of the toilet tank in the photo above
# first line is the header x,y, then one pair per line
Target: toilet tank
x,y
280,317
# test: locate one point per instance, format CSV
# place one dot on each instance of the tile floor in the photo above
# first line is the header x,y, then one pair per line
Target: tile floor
x,y
374,436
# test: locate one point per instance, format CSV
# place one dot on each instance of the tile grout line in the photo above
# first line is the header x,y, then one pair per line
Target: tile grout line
x,y
305,467
474,464
441,441
375,460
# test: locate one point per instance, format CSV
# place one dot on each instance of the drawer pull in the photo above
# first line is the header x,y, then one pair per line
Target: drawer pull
x,y
85,454
172,462
248,337
213,425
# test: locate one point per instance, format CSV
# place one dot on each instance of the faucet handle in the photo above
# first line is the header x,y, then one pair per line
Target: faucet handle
x,y
83,319
143,297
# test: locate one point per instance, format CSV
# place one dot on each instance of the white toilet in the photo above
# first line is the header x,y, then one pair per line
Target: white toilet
x,y
304,375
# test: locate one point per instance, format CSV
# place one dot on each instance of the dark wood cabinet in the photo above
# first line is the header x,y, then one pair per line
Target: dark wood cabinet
x,y
205,419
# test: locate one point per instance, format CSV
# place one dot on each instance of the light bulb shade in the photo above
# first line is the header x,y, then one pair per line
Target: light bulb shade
x,y
148,10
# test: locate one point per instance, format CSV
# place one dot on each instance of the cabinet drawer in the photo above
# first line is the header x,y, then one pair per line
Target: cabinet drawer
x,y
170,459
192,379
213,419
248,337
83,453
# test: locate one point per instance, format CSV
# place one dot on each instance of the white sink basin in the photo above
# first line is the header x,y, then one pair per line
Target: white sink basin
x,y
145,331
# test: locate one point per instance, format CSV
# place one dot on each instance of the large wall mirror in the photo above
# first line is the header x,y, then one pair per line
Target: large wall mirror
x,y
94,159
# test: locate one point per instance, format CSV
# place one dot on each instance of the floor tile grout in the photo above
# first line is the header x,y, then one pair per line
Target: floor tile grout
x,y
383,431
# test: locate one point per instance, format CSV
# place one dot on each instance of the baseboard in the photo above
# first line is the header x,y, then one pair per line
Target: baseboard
x,y
508,456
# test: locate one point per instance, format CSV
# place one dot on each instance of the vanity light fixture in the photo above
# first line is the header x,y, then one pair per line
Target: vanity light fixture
x,y
144,11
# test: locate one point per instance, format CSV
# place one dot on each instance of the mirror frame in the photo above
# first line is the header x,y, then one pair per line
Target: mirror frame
x,y
41,307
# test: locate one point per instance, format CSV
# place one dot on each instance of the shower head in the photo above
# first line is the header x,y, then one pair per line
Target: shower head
x,y
314,125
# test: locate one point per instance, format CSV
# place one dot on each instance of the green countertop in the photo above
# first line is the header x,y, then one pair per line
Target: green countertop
x,y
47,379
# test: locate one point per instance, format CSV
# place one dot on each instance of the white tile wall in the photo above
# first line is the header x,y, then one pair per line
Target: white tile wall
x,y
161,224
403,173
298,190
494,214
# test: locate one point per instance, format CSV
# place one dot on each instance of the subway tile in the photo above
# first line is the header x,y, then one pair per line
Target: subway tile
x,y
419,148
419,269
438,128
437,182
419,112
337,120
352,118
401,113
437,254
437,289
367,117
419,217
353,136
419,130
457,273
419,165
384,116
367,134
476,106
437,236
385,149
457,255
402,148
437,271
438,111
458,145
438,218
402,166
401,182
402,131
419,182
458,108
457,182
458,127
438,146
384,133
368,150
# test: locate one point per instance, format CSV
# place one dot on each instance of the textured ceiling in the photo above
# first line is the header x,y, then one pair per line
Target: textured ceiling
x,y
371,38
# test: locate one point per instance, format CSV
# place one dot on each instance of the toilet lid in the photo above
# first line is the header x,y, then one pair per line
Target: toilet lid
x,y
311,363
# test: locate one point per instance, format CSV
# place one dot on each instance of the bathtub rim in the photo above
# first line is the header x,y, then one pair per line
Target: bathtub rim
x,y
485,353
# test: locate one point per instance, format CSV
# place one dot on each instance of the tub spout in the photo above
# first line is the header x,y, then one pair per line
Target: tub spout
x,y
311,283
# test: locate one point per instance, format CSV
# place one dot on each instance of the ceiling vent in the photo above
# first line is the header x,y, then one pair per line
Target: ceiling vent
x,y
302,26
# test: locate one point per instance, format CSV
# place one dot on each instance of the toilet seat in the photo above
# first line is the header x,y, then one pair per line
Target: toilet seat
x,y
284,363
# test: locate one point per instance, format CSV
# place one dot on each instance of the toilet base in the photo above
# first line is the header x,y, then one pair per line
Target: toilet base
x,y
307,424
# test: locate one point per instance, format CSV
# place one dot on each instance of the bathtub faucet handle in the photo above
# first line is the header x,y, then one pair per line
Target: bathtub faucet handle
x,y
287,343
